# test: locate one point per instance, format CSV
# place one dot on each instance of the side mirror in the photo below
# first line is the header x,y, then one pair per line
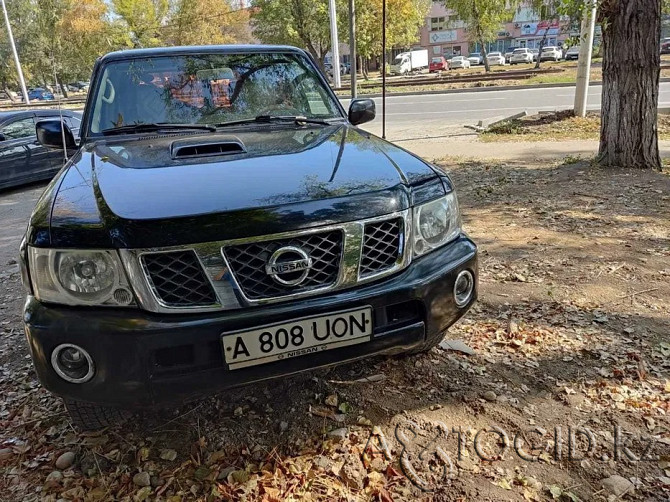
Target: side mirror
x,y
50,133
361,111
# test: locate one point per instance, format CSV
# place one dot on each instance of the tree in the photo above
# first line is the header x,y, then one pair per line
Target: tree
x,y
304,23
20,15
206,22
631,33
483,19
548,10
143,19
404,18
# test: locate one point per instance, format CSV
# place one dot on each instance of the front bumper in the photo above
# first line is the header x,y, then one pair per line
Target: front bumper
x,y
143,359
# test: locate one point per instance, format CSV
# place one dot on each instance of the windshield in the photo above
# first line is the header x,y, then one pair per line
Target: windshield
x,y
549,49
474,54
520,51
208,89
437,60
494,54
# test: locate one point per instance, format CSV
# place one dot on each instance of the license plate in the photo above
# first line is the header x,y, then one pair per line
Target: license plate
x,y
299,337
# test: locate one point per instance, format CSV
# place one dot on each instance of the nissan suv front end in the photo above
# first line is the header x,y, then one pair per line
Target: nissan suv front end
x,y
224,221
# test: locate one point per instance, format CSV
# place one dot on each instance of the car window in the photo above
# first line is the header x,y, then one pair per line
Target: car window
x,y
519,51
208,89
494,54
437,60
19,129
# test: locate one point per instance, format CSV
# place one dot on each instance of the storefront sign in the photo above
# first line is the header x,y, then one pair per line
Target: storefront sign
x,y
438,37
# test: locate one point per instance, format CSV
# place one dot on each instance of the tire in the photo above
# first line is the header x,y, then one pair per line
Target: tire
x,y
91,417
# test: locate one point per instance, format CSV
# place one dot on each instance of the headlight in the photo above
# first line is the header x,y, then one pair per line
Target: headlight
x,y
436,223
78,277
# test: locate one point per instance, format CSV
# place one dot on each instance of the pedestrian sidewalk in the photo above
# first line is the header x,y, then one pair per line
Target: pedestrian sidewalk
x,y
467,146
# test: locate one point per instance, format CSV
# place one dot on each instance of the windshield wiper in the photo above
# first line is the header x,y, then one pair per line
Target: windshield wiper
x,y
151,127
266,119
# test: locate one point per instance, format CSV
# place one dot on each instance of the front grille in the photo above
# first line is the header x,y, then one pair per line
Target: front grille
x,y
381,246
177,279
248,261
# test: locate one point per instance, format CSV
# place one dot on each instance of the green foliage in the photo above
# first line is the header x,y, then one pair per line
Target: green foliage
x,y
205,22
66,36
306,23
483,18
143,19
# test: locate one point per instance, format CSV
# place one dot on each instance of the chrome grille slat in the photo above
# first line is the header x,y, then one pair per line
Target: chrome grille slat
x,y
177,279
224,290
247,262
381,246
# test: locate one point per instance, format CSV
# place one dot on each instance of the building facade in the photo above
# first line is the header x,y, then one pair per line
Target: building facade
x,y
444,34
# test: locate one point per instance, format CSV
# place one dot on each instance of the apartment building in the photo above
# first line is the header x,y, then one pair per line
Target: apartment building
x,y
444,34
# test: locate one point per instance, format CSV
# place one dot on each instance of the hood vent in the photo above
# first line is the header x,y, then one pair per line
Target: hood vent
x,y
212,148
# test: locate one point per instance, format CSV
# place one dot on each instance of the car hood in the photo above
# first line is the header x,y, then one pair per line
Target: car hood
x,y
132,192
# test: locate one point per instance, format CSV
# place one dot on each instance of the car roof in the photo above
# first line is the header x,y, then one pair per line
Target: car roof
x,y
196,49
45,113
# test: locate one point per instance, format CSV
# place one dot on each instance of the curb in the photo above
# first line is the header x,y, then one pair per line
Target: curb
x,y
479,89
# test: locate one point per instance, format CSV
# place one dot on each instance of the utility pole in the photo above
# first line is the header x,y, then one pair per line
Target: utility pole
x,y
352,48
585,52
335,51
383,69
16,54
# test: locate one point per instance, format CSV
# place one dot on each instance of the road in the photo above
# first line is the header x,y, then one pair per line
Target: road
x,y
434,114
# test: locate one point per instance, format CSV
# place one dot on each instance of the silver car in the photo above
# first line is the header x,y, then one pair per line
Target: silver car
x,y
521,55
572,53
551,53
495,58
459,62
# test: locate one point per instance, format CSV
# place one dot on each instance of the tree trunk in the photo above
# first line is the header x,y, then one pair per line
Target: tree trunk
x,y
487,68
542,42
631,70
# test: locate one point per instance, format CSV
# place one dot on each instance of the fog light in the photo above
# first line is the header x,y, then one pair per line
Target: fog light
x,y
463,288
72,363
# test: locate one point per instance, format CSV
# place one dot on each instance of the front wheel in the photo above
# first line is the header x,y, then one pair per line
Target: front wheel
x,y
91,417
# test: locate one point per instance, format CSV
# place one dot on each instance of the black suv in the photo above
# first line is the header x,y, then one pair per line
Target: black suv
x,y
224,221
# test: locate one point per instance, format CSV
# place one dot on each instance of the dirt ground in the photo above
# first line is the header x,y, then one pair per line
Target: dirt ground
x,y
570,338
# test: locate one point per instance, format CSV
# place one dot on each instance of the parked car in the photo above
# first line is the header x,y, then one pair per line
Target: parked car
x,y
572,53
508,54
535,53
40,94
459,62
476,58
22,158
495,58
198,246
438,64
551,53
521,55
665,46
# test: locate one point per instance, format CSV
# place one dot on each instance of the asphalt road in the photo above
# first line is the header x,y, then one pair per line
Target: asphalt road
x,y
430,114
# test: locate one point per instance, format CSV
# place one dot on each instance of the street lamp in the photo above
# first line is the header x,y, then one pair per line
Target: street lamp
x,y
16,55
